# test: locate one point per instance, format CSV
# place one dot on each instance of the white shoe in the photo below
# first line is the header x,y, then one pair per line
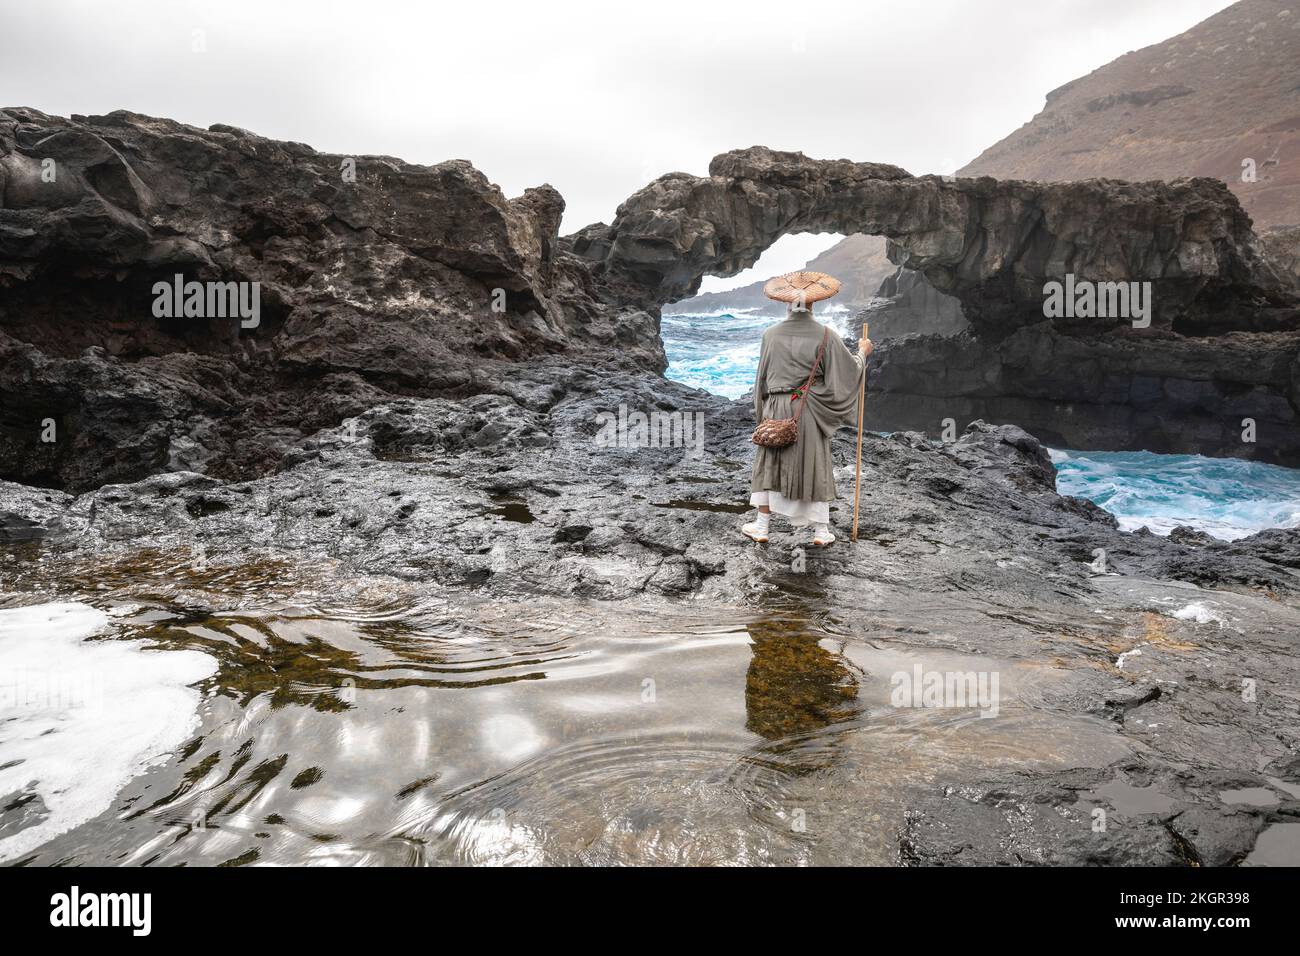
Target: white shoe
x,y
757,530
823,537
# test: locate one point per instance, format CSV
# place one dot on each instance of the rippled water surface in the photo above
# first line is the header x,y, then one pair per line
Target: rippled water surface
x,y
322,720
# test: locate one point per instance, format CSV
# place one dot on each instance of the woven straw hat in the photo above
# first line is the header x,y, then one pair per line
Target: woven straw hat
x,y
801,287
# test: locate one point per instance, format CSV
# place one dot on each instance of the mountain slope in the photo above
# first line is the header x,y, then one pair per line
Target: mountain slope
x,y
1199,104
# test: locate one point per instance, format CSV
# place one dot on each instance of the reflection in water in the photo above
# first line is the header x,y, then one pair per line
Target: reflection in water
x,y
794,686
355,720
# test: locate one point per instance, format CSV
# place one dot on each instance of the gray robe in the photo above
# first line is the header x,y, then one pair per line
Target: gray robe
x,y
804,471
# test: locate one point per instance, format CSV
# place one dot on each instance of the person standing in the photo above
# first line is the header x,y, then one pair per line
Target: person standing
x,y
797,481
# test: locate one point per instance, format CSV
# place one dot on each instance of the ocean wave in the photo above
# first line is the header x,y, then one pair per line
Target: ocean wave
x,y
1228,498
719,314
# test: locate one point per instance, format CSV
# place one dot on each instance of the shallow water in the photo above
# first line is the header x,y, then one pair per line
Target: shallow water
x,y
324,720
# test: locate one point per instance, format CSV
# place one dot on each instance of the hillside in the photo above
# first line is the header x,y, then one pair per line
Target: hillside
x,y
1199,104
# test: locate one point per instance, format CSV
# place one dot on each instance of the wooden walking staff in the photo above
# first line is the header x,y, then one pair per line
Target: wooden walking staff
x,y
857,481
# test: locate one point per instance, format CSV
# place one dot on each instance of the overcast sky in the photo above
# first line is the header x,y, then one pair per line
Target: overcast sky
x,y
595,98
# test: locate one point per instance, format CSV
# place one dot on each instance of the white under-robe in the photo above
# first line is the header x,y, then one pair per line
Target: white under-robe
x,y
798,513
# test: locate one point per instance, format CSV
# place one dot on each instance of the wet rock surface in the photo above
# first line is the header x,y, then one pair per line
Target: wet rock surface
x,y
377,279
965,549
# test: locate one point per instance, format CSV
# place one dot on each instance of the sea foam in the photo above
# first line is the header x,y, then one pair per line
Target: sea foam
x,y
80,718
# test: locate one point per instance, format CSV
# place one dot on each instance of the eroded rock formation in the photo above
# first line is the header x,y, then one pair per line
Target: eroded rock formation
x,y
411,280
1221,344
991,244
372,286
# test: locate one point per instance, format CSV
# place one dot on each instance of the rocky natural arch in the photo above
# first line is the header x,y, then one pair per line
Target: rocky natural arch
x,y
1187,380
991,243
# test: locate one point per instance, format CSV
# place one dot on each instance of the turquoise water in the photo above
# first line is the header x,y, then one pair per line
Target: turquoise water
x,y
1225,497
718,351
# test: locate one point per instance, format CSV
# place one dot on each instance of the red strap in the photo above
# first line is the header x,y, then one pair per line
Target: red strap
x,y
803,397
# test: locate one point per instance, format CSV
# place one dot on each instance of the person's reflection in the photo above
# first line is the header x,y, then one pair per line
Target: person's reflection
x,y
794,686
